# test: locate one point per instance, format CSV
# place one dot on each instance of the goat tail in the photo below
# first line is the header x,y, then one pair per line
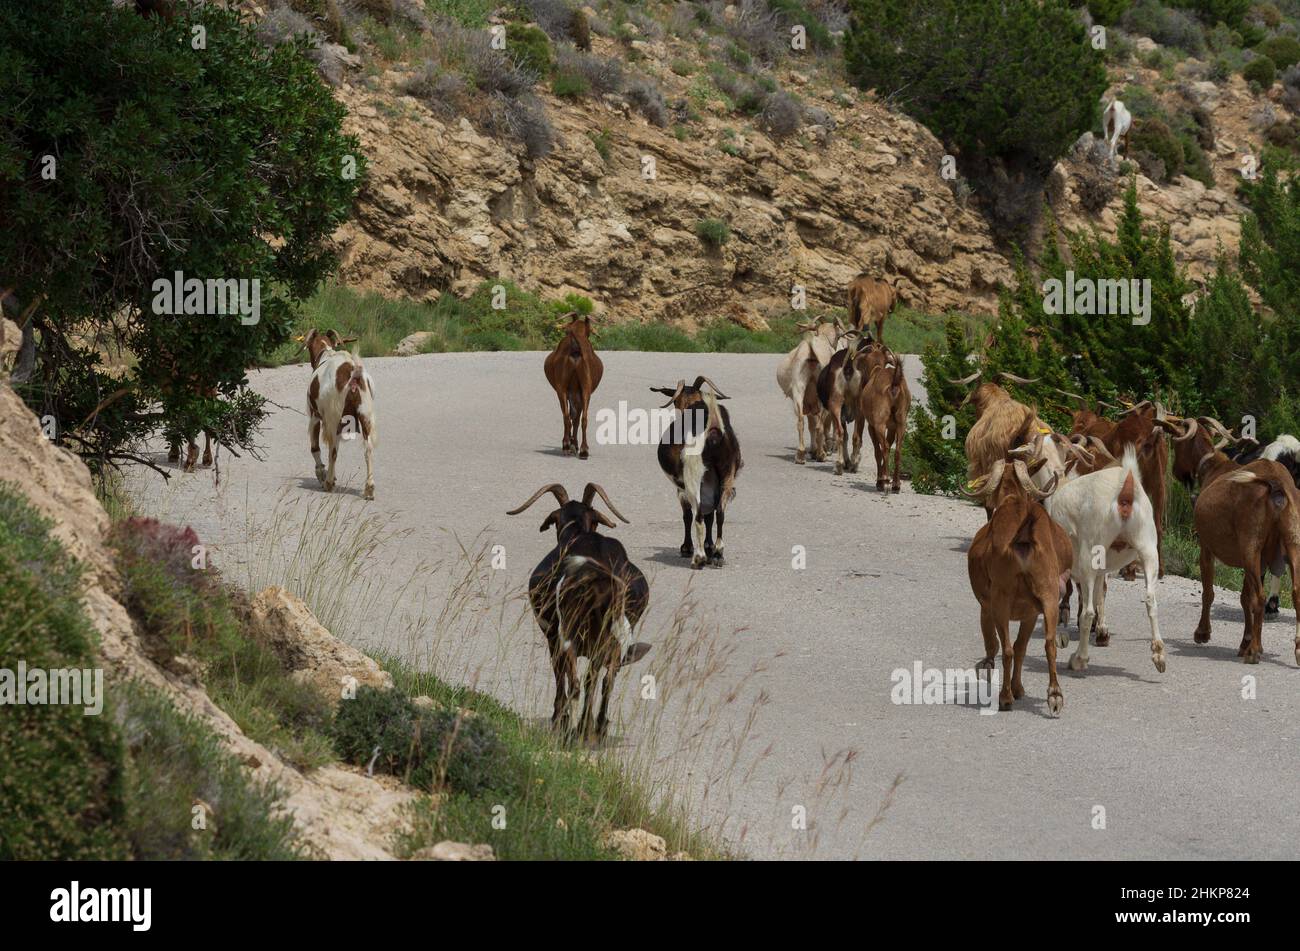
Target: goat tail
x,y
1129,462
1276,491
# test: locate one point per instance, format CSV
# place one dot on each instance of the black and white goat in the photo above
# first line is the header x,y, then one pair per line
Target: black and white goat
x,y
701,457
587,597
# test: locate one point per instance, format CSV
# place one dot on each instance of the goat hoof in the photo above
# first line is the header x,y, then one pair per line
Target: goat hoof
x,y
369,494
1078,663
583,454
1055,701
686,551
1062,637
1158,658
717,560
1252,657
329,486
1103,638
839,469
1017,691
1271,606
896,488
1201,637
1004,706
697,564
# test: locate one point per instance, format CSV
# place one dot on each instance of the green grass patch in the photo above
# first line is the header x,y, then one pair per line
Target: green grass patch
x,y
526,322
181,607
557,800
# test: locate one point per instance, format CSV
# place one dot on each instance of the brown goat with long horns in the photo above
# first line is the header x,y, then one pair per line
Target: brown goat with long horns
x,y
1247,517
1015,566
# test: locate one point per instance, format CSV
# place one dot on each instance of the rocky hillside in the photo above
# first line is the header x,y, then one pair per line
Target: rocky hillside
x,y
851,185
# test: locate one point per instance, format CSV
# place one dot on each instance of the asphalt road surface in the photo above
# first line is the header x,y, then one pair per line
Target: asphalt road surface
x,y
772,705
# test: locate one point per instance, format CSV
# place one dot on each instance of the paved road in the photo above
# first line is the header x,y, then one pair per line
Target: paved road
x,y
772,690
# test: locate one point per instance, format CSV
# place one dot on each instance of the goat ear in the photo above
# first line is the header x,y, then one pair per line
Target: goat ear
x,y
602,518
551,519
635,652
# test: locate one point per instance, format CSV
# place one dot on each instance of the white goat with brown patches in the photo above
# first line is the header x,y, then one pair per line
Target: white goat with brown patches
x,y
797,377
340,404
1111,523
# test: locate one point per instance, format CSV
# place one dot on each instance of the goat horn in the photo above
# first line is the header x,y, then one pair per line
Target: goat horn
x,y
1191,431
561,496
967,380
1134,407
713,386
594,489
1101,447
1218,427
1026,483
1016,379
1083,402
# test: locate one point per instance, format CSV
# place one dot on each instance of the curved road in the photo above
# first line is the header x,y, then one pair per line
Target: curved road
x,y
772,704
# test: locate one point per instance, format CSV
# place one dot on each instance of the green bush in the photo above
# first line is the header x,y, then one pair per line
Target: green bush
x,y
530,47
176,763
713,231
570,85
1260,70
61,783
428,748
1011,84
1108,12
1284,51
1230,12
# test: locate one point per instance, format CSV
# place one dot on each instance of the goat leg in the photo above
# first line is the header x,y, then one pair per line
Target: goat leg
x,y
718,559
688,518
1202,633
1055,698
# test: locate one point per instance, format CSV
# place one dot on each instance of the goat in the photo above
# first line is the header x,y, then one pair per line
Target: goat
x,y
1116,123
870,299
1138,429
339,397
1015,564
1245,516
587,598
700,455
839,390
884,404
1001,424
1111,522
1285,450
574,371
798,370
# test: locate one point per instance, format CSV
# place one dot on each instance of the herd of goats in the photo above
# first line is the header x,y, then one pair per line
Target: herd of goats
x,y
1063,510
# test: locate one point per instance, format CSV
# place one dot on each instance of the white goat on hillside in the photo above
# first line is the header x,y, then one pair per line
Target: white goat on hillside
x,y
1115,123
1111,523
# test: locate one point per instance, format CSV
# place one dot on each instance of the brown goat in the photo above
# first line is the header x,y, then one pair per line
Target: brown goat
x,y
1138,428
574,372
1247,517
1015,565
870,299
884,404
1001,425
